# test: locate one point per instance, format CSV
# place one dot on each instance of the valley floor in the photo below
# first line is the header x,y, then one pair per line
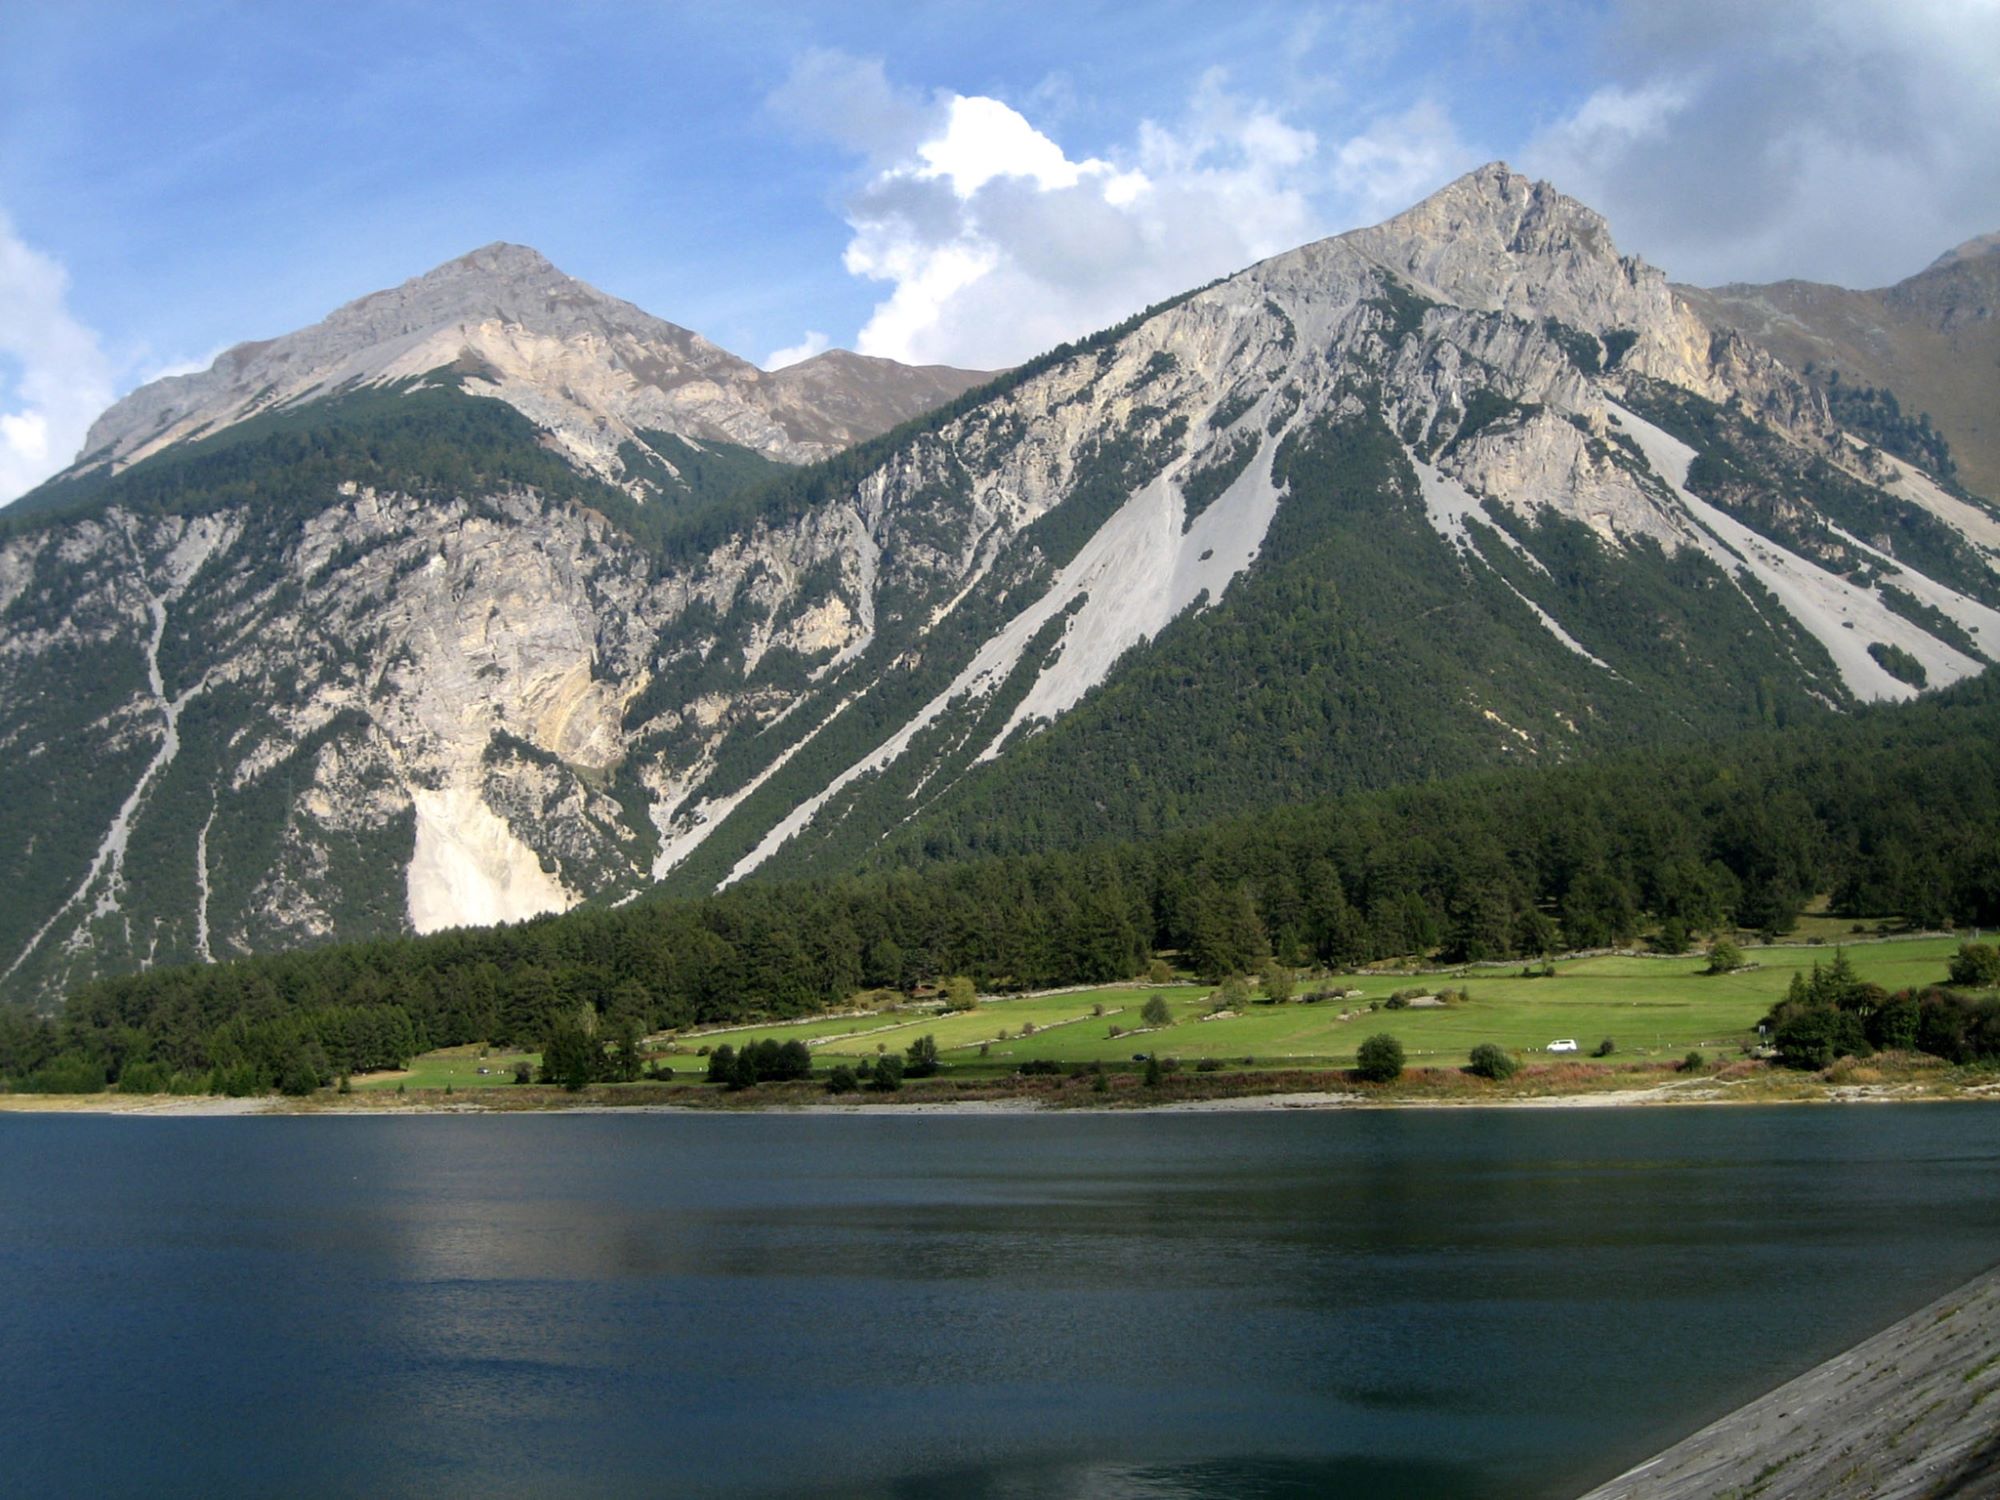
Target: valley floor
x,y
1087,1048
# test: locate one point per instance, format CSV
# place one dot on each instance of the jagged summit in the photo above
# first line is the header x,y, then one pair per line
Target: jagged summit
x,y
595,371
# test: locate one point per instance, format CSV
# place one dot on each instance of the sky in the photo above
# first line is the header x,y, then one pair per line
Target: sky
x,y
938,183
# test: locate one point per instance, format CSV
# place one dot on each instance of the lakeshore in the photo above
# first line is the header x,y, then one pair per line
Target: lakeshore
x,y
1578,1086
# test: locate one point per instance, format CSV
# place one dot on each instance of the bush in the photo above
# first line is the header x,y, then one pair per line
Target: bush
x,y
523,1072
1209,1065
1152,1073
1158,972
1813,1036
1694,1062
841,1080
960,994
922,1056
888,1075
1490,1061
1976,966
70,1074
1604,1048
142,1078
1724,957
1155,1012
1380,1059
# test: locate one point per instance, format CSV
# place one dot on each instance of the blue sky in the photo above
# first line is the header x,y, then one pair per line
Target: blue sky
x,y
952,182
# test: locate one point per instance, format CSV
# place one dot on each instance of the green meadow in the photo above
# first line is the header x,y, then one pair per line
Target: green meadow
x,y
468,1067
1649,1007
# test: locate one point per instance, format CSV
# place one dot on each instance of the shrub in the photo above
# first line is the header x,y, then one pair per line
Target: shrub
x,y
1490,1061
1152,1072
1976,966
1158,972
1209,1065
1724,957
1038,1066
888,1075
523,1072
1604,1048
1155,1012
142,1078
1380,1059
842,1080
1694,1062
960,994
1813,1036
923,1057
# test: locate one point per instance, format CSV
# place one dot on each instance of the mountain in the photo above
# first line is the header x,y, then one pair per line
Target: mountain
x,y
597,375
1462,489
1931,342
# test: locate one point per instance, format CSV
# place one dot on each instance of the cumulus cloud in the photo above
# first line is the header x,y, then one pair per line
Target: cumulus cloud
x,y
1837,140
813,343
994,242
54,376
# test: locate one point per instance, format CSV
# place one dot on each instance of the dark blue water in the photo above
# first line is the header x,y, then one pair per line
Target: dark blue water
x,y
1466,1304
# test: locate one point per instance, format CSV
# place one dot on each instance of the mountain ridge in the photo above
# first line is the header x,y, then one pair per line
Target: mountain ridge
x,y
1932,341
596,372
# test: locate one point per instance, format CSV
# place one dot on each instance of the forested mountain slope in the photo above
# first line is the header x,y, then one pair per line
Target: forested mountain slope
x,y
1465,489
1895,811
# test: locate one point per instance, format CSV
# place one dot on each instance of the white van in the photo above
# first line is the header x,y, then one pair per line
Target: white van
x,y
1566,1044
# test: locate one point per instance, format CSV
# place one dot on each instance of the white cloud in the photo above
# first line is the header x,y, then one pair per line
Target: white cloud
x,y
813,343
1837,140
995,242
1401,159
61,378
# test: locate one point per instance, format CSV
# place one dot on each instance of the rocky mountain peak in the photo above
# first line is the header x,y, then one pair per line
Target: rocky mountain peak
x,y
595,371
1496,241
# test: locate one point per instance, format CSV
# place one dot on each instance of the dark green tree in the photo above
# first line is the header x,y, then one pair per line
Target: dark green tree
x,y
1380,1059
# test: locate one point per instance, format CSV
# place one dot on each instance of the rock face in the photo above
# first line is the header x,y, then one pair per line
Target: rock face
x,y
1933,340
1463,488
593,371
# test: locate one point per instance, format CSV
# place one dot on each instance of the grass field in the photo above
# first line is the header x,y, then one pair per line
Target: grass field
x,y
1650,1007
453,1067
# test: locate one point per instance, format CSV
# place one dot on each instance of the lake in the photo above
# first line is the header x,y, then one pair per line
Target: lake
x,y
1456,1303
